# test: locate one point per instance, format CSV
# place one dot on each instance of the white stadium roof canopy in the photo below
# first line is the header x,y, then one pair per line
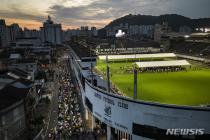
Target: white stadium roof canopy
x,y
162,63
133,56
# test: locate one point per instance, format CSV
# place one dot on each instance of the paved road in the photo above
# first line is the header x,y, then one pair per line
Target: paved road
x,y
53,115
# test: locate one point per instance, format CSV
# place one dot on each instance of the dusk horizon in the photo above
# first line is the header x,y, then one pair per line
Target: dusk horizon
x,y
73,14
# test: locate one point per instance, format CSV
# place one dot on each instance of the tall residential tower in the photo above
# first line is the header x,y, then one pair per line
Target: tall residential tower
x,y
51,32
4,34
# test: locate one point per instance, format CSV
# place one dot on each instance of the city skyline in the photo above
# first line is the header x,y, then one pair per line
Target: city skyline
x,y
73,14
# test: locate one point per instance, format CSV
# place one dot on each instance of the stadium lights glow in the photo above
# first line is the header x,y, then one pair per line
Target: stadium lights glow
x,y
186,36
203,29
207,30
120,33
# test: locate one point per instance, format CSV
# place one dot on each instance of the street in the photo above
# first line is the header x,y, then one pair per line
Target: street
x,y
65,116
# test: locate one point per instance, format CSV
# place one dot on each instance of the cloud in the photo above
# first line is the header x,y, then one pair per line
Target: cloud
x,y
21,15
31,24
75,13
95,11
17,12
107,10
75,3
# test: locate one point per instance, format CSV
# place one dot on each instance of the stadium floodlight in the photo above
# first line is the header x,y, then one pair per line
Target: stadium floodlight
x,y
135,73
186,36
207,30
120,33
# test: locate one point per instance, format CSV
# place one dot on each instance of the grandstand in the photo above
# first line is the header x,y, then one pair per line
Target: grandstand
x,y
191,48
134,56
162,66
126,46
172,63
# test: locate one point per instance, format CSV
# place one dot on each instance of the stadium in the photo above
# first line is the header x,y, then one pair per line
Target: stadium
x,y
162,78
140,96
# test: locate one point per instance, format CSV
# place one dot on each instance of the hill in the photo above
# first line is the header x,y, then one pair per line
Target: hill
x,y
174,20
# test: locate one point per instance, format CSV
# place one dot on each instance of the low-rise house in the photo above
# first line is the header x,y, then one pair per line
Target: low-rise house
x,y
15,109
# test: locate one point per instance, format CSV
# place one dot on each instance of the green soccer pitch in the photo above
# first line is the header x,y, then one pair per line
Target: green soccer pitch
x,y
191,87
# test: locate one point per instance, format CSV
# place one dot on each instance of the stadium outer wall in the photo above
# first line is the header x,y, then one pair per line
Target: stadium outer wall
x,y
140,119
143,119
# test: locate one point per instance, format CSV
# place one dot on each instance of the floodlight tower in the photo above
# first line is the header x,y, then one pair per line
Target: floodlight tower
x,y
108,128
107,74
135,72
122,42
120,35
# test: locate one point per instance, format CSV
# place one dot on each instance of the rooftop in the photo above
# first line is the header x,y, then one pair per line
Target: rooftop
x,y
15,56
10,95
82,51
133,56
162,63
19,73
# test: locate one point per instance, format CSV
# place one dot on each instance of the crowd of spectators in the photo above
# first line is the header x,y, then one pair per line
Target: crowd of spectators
x,y
162,69
128,69
70,120
199,49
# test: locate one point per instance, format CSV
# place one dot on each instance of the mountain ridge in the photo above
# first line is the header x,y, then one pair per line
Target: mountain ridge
x,y
174,21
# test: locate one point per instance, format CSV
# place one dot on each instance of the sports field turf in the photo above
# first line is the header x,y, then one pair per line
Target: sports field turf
x,y
180,88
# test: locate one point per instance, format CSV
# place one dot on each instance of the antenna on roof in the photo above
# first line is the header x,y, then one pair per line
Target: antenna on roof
x,y
49,18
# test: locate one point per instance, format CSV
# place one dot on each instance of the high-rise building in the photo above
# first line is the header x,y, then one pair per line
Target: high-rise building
x,y
51,32
185,29
84,28
84,31
141,30
31,33
15,32
160,31
4,34
94,31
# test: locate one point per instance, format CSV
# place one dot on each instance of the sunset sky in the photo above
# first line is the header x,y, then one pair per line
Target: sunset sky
x,y
75,13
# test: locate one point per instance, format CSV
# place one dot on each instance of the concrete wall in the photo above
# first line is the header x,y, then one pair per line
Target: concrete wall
x,y
124,112
12,121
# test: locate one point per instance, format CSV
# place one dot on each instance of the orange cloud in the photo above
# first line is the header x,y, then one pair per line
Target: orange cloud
x,y
66,27
30,24
99,23
96,23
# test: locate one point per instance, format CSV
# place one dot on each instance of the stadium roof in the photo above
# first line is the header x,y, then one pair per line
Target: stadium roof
x,y
163,63
130,56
